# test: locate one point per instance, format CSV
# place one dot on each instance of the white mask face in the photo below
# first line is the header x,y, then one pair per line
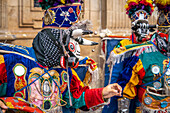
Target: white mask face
x,y
140,28
74,47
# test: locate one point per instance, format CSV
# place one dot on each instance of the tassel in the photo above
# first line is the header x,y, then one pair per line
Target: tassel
x,y
134,53
123,57
153,49
140,51
146,50
68,84
111,58
88,78
110,76
150,49
118,59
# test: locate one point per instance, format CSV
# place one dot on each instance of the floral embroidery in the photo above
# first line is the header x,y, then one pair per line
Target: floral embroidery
x,y
66,14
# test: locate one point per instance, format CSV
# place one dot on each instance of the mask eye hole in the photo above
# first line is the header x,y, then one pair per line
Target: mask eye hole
x,y
71,47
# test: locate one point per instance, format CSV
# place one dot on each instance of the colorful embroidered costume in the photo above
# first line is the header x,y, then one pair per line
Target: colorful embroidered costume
x,y
139,12
22,76
144,74
29,80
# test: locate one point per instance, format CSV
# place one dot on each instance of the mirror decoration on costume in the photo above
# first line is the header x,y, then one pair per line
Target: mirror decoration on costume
x,y
42,74
123,105
144,76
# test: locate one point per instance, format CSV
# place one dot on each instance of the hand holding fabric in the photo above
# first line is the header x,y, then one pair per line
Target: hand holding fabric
x,y
3,107
112,90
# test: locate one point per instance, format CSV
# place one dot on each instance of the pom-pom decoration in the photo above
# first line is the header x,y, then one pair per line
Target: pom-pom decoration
x,y
163,5
46,4
134,5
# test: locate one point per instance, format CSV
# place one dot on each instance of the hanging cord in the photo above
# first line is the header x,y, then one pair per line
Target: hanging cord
x,y
49,14
66,55
1,110
111,69
168,67
45,71
68,83
156,79
30,83
132,38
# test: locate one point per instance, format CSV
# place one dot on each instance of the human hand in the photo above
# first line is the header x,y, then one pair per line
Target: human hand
x,y
3,107
112,90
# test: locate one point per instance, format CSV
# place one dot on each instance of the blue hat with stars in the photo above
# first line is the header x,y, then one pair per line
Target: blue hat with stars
x,y
60,13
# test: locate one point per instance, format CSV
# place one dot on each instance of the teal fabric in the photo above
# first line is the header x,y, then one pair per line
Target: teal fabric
x,y
77,103
3,88
148,60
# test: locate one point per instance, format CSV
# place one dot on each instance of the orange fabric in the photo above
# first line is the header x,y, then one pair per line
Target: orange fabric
x,y
92,64
20,104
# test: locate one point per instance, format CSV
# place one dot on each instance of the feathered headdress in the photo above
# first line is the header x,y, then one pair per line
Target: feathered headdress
x,y
164,15
163,5
133,6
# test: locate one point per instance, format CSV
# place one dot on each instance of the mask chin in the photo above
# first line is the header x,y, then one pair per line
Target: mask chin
x,y
141,39
141,29
73,62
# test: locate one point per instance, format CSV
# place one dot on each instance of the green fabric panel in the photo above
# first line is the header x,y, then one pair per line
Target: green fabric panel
x,y
77,103
148,60
3,88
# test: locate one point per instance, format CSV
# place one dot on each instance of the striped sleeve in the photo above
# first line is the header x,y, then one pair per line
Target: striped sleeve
x,y
83,96
131,76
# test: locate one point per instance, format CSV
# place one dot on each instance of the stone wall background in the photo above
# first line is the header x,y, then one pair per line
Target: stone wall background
x,y
20,20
